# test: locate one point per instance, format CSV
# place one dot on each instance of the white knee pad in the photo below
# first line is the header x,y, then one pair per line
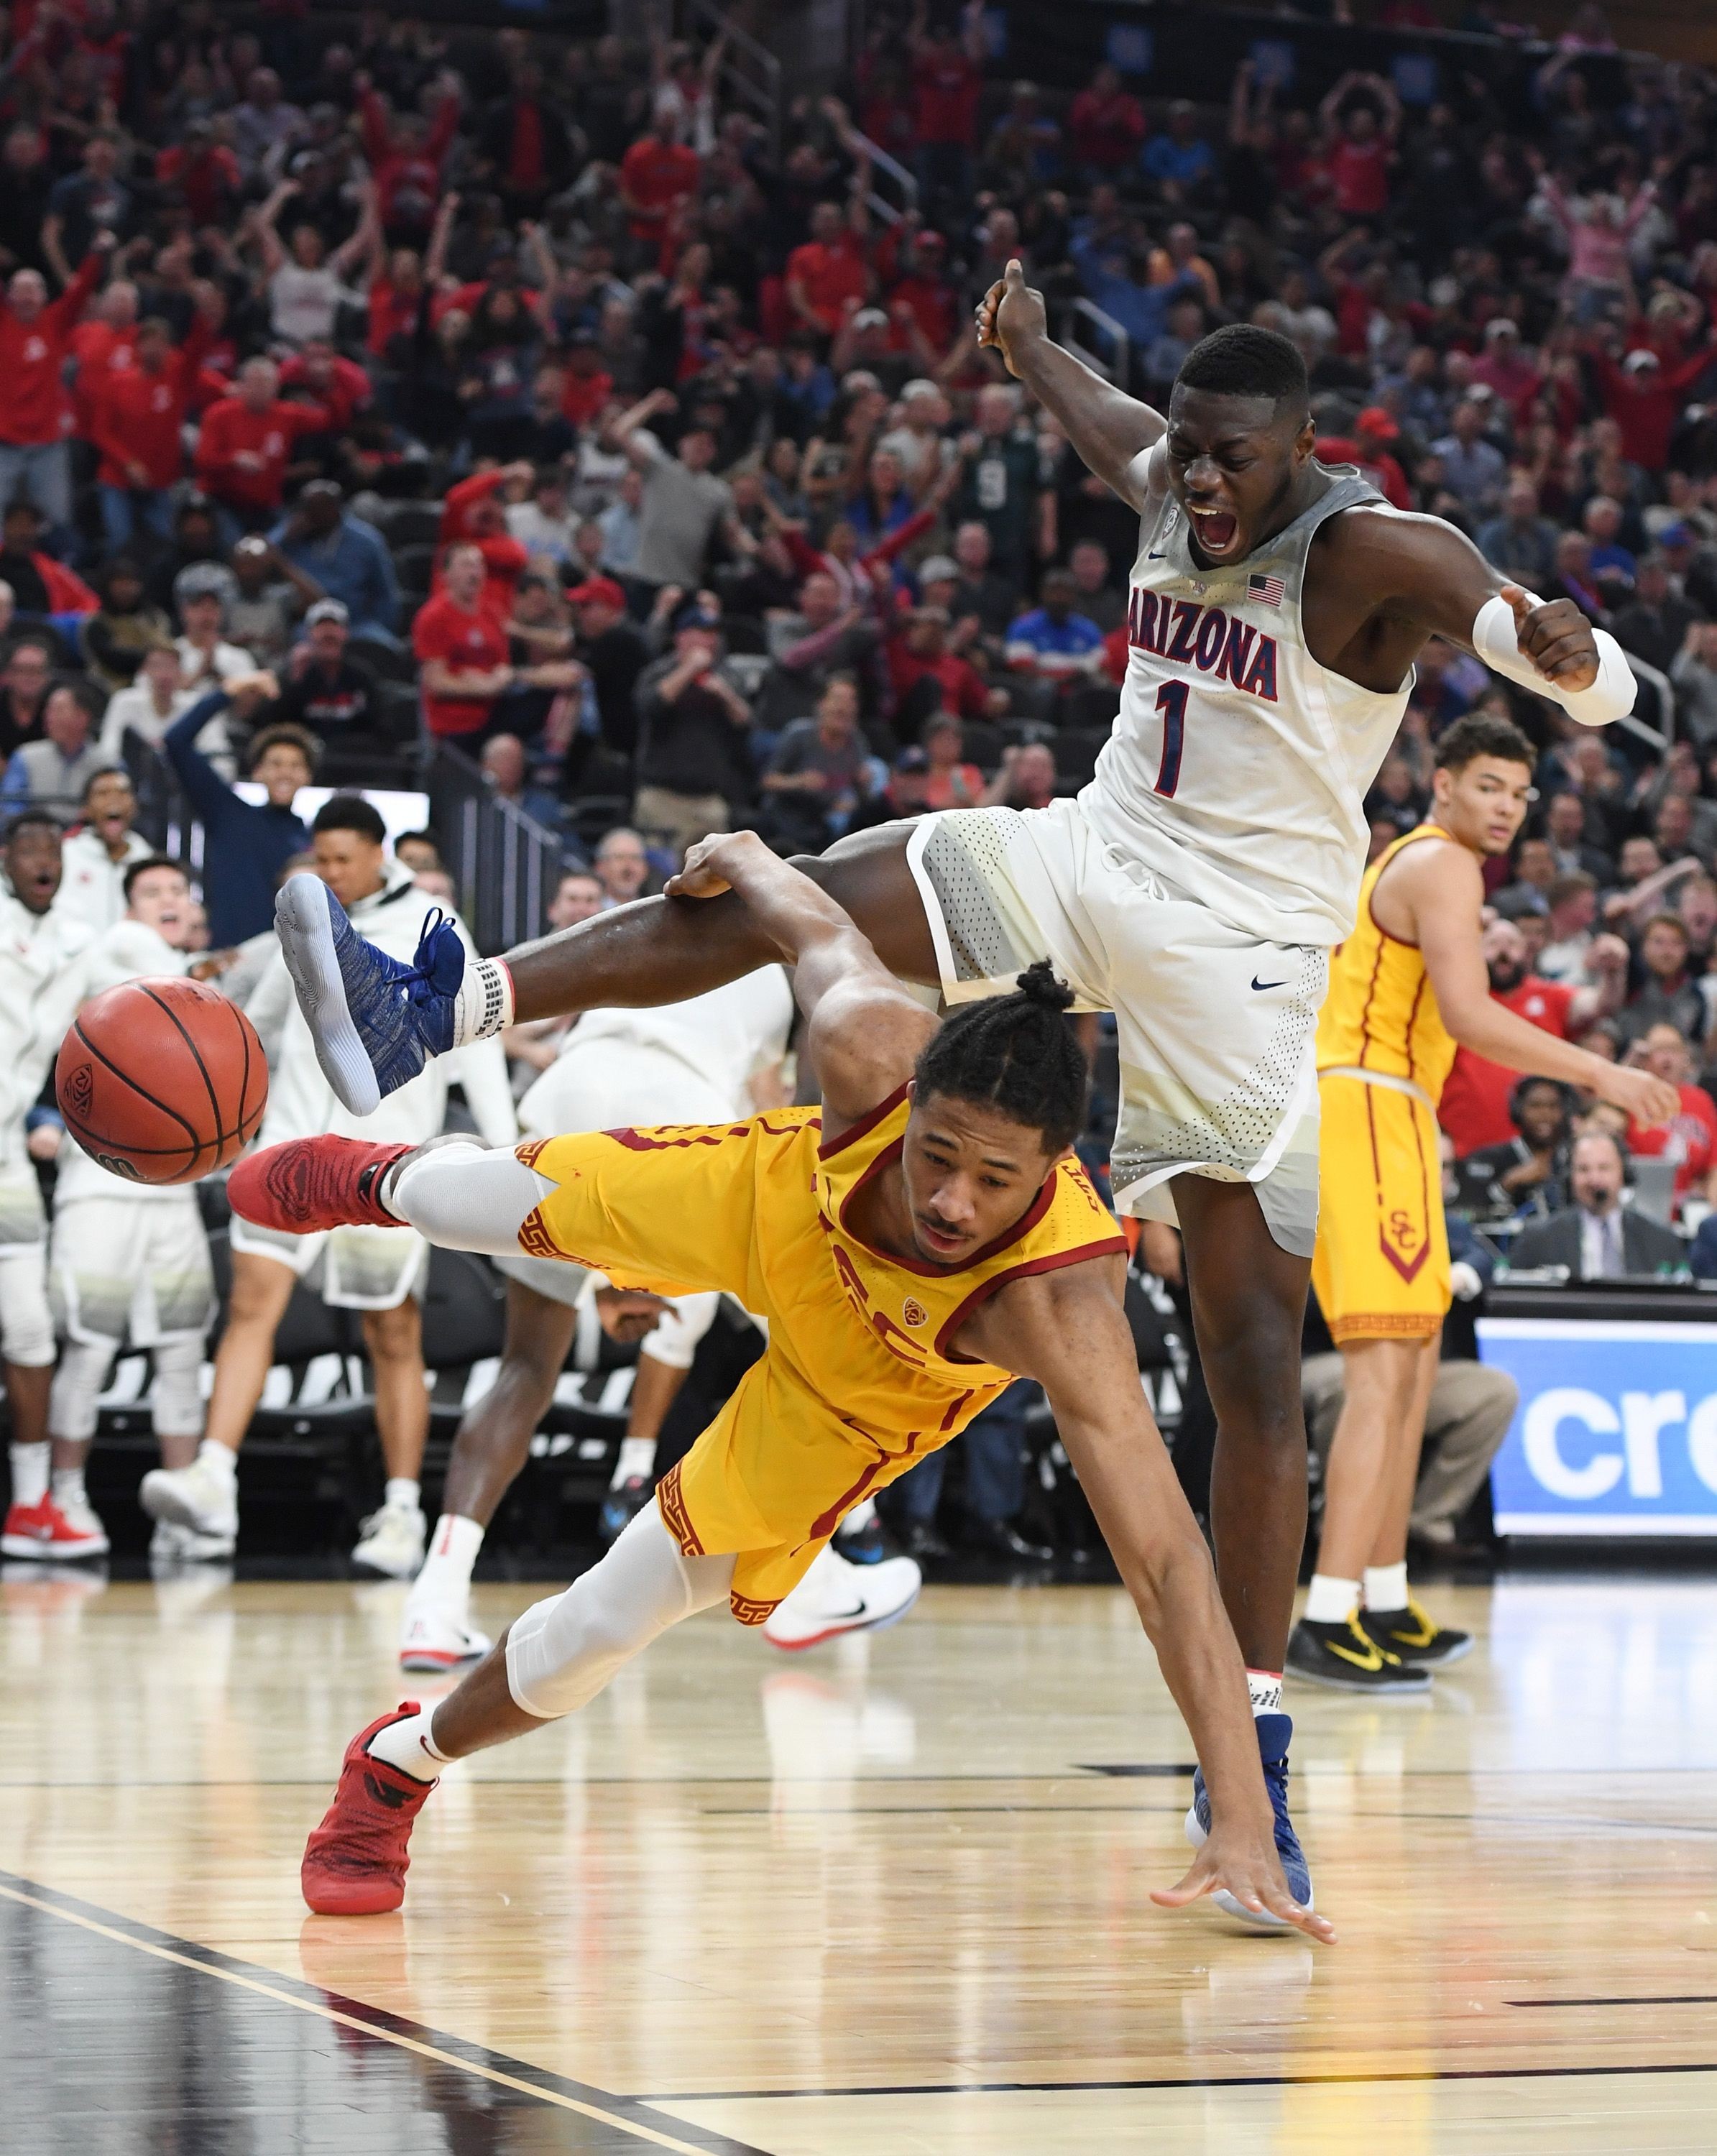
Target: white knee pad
x,y
78,1384
26,1323
564,1649
467,1197
175,1399
675,1340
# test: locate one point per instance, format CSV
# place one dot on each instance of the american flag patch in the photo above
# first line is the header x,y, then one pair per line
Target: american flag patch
x,y
1267,591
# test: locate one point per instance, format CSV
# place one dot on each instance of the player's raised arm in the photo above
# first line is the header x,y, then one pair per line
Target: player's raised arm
x,y
863,1031
1068,1331
1108,429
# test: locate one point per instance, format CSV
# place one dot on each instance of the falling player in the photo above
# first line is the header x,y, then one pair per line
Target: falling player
x,y
1407,988
128,1260
1194,888
925,1238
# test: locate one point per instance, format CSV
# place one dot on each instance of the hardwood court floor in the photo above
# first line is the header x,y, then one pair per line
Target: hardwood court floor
x,y
885,1896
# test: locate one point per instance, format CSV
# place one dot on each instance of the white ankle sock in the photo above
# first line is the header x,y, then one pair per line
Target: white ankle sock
x,y
637,1457
219,1459
68,1486
1265,1687
401,1491
445,1582
1386,1586
484,1001
29,1473
1329,1600
408,1746
860,1517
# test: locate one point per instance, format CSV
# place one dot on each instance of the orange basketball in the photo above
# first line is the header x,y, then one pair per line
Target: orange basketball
x,y
162,1081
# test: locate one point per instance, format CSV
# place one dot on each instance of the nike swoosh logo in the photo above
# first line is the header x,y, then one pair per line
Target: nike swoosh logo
x,y
835,1616
1156,557
1372,1662
1258,984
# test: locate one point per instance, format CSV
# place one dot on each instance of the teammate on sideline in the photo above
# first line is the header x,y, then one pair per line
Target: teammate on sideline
x,y
925,1237
1408,987
1194,888
129,1259
41,986
691,1063
378,1271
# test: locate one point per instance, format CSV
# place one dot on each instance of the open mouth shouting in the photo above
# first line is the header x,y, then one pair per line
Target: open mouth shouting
x,y
1216,530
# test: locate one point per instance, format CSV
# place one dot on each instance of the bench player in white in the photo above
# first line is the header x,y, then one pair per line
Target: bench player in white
x,y
1195,887
693,1062
129,1260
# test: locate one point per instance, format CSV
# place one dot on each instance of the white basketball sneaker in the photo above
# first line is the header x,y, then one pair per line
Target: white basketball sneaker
x,y
436,1640
391,1542
195,1497
173,1544
835,1596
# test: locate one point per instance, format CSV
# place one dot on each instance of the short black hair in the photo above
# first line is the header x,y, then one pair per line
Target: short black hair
x,y
149,862
26,816
1242,360
282,733
350,812
1016,1053
1478,735
105,771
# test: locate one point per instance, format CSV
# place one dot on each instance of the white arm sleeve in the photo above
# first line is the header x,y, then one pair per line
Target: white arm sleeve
x,y
1611,697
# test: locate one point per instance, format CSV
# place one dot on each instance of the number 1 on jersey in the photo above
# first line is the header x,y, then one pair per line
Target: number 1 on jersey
x,y
1171,702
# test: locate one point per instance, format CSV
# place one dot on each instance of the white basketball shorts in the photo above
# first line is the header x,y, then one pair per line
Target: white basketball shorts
x,y
131,1267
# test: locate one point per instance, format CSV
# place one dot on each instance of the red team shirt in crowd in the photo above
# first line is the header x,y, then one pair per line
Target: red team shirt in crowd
x,y
1689,1139
1474,1108
34,408
139,416
655,174
231,429
830,275
946,88
473,642
1359,177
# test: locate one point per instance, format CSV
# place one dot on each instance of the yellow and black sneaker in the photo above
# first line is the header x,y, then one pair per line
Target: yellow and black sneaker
x,y
1346,1656
1416,1636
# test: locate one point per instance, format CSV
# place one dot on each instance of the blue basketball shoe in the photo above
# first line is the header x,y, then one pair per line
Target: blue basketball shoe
x,y
375,1022
1275,1734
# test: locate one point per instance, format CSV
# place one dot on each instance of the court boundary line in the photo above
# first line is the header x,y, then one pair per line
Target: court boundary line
x,y
479,2060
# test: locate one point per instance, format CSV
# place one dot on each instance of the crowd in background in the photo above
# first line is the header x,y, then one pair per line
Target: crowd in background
x,y
370,385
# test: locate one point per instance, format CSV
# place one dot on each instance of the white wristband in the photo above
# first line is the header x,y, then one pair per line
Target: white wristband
x,y
1611,697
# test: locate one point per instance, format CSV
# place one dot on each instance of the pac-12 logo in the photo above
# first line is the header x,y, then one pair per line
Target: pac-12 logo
x,y
913,1313
79,1089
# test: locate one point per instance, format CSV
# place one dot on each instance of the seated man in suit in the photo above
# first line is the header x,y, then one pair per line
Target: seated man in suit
x,y
1598,1237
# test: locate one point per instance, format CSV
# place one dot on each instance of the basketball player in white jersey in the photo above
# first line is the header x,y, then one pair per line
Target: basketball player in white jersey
x,y
1195,887
127,1260
695,1062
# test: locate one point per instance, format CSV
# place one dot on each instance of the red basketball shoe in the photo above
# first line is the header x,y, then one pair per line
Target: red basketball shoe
x,y
355,1863
53,1533
310,1184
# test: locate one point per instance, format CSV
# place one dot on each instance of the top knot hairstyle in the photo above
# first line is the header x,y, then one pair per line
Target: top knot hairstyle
x,y
1242,360
1014,1052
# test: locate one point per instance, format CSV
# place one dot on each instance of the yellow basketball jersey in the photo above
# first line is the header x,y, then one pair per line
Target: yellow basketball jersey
x,y
1380,1013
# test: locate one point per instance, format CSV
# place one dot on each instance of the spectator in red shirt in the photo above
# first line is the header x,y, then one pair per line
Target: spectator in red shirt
x,y
473,514
828,276
1690,1138
655,174
406,154
340,386
246,444
1474,1108
1369,447
947,82
1105,127
203,171
138,427
39,585
1506,370
586,386
35,416
1363,145
460,644
102,345
1645,399
926,677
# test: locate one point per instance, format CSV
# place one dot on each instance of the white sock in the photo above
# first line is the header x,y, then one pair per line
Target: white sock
x,y
1265,1687
402,1491
444,1581
1386,1586
219,1459
408,1746
484,1001
29,1473
68,1486
860,1517
637,1457
1330,1601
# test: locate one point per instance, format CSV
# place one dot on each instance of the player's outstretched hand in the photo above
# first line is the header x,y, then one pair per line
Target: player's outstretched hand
x,y
704,874
1011,315
1245,1864
1638,1093
1556,637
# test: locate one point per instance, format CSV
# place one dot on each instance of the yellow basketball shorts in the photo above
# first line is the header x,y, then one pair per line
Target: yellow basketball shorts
x,y
1380,1269
683,1207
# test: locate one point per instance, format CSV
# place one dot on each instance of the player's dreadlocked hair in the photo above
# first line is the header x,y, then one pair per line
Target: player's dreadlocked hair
x,y
1018,1054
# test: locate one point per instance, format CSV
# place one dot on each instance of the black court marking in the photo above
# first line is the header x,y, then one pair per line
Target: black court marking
x,y
1142,1770
192,2053
1664,1999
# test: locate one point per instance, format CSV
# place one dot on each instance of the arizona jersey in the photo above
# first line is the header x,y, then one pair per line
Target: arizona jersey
x,y
1380,1014
1238,765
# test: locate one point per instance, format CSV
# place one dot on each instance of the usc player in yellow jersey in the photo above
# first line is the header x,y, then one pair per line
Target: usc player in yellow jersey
x,y
1406,989
917,1244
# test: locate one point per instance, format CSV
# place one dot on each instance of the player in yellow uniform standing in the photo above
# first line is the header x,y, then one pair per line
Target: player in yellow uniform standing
x,y
924,1239
1406,989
